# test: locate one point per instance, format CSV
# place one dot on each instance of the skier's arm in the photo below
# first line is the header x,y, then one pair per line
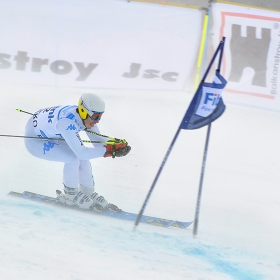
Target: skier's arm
x,y
95,137
68,130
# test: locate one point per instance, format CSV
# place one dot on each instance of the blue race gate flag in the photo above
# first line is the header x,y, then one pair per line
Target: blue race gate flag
x,y
207,105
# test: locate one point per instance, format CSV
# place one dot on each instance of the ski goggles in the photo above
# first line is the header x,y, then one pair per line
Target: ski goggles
x,y
96,116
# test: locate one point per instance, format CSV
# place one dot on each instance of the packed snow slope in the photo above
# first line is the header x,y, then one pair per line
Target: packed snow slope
x,y
239,226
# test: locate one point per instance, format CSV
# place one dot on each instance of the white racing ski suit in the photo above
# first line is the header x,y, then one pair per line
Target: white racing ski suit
x,y
64,122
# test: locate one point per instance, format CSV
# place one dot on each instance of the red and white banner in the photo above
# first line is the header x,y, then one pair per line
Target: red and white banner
x,y
251,55
109,44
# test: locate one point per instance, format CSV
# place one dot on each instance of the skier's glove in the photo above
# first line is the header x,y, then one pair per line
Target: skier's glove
x,y
117,148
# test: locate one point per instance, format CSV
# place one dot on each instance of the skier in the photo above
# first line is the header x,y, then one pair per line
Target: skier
x,y
65,122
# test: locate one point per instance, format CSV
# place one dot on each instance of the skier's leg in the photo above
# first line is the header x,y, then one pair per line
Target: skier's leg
x,y
85,175
87,185
56,151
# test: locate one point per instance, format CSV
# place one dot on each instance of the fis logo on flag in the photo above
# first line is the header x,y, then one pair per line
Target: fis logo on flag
x,y
211,95
209,101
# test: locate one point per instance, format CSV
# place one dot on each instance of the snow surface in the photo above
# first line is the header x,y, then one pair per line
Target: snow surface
x,y
239,226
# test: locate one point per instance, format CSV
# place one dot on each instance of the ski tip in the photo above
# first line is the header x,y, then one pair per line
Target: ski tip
x,y
182,225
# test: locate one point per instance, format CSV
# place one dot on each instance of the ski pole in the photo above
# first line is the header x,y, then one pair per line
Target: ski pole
x,y
98,134
112,141
19,110
45,138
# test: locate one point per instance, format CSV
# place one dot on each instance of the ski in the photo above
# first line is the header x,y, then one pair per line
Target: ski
x,y
123,215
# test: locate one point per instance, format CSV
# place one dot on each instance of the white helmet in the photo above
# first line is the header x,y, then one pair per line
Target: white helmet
x,y
90,104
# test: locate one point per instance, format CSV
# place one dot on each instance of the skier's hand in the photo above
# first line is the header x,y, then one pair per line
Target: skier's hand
x,y
121,152
117,148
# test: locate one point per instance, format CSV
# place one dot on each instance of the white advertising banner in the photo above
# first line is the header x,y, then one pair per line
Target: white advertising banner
x,y
251,55
98,43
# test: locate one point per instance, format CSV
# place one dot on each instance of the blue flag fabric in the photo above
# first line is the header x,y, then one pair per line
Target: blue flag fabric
x,y
207,105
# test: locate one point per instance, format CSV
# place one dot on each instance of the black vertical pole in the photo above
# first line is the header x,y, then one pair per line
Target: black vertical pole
x,y
197,210
155,180
201,181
